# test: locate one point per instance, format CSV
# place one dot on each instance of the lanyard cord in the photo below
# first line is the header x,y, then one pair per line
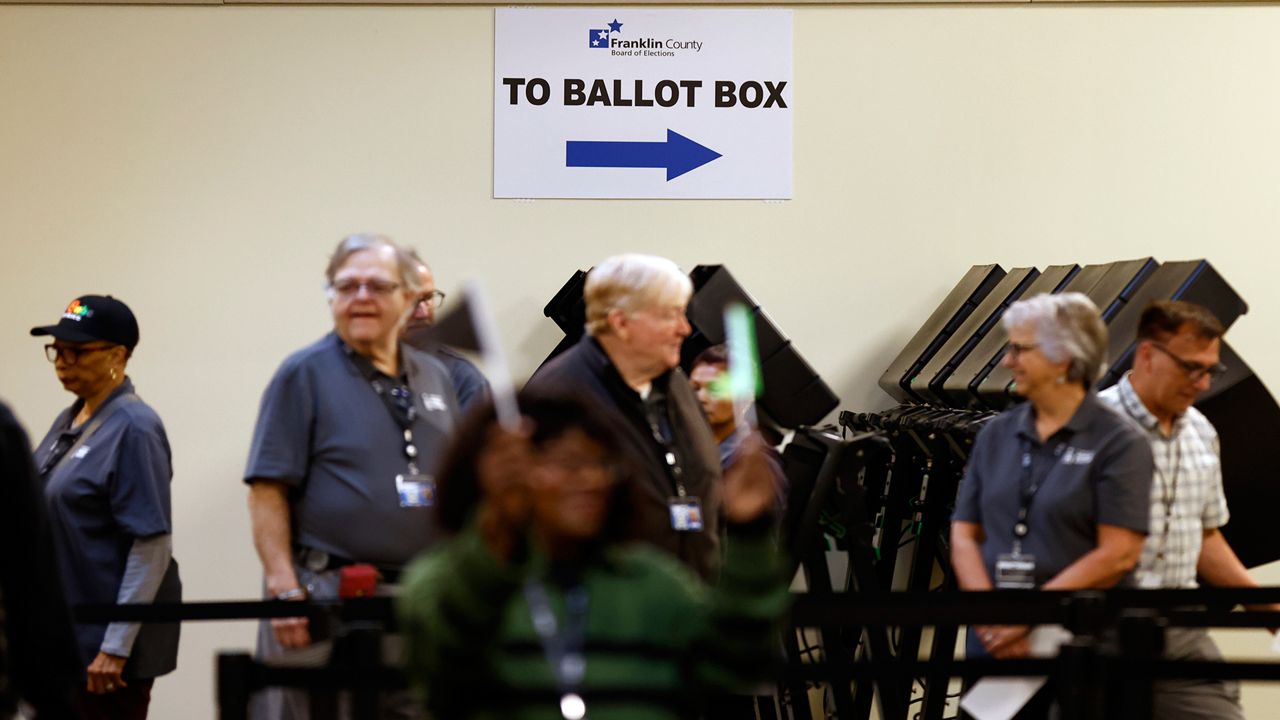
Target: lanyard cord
x,y
1029,485
670,456
562,645
398,399
1169,485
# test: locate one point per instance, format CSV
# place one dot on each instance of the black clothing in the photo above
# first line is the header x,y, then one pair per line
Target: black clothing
x,y
669,421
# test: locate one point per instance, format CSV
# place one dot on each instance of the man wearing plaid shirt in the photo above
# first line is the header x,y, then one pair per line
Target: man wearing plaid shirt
x,y
1176,359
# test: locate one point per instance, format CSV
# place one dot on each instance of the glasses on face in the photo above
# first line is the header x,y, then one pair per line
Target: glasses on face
x,y
375,287
433,299
70,354
1014,349
579,466
665,313
1194,370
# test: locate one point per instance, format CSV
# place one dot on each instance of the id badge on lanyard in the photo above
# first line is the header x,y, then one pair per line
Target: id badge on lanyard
x,y
416,490
1015,571
686,513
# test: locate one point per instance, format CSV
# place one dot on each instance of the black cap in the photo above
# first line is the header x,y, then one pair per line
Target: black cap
x,y
95,317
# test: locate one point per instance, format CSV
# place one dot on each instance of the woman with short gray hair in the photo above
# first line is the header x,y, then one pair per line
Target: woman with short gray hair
x,y
1066,327
1057,491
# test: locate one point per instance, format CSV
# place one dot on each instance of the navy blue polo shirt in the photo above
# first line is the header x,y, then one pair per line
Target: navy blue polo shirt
x,y
323,431
469,384
111,490
1096,470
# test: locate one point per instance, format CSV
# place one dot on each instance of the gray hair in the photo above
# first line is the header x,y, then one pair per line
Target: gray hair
x,y
632,282
1067,327
406,261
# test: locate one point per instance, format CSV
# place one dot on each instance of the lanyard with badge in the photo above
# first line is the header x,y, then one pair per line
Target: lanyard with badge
x,y
1016,570
414,489
1150,577
562,644
685,509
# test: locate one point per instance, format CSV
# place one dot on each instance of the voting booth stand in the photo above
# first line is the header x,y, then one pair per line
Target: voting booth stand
x,y
871,502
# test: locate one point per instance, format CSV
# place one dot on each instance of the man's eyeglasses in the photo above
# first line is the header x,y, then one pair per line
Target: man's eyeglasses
x,y
351,288
433,299
1194,370
1015,349
71,354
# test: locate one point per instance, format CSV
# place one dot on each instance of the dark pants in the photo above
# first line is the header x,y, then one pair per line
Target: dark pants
x,y
127,703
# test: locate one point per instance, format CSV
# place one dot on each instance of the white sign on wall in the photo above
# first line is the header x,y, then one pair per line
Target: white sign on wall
x,y
642,103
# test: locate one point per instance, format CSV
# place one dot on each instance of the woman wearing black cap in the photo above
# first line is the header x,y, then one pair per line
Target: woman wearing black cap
x,y
106,469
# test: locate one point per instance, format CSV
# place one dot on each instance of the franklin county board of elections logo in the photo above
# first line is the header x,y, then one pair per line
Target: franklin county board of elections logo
x,y
600,37
609,38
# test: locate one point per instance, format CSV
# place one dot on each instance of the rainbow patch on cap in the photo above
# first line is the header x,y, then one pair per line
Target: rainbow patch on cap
x,y
77,311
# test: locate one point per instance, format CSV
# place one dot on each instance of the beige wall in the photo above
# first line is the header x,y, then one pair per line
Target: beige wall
x,y
200,163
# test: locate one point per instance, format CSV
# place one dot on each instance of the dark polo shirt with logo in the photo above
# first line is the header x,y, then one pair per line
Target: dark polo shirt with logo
x,y
1096,470
323,431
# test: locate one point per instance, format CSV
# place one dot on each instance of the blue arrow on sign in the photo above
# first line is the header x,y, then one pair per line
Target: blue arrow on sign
x,y
678,154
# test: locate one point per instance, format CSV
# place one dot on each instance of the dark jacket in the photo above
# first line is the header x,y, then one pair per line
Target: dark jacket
x,y
586,368
40,663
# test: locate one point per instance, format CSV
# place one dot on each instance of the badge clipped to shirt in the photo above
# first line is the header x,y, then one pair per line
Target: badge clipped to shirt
x,y
686,514
1149,580
1015,571
416,491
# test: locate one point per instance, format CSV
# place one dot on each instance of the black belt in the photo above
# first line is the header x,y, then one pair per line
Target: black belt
x,y
323,561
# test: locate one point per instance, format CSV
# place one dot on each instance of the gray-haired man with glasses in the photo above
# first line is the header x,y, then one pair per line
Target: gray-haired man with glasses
x,y
469,383
1176,359
340,469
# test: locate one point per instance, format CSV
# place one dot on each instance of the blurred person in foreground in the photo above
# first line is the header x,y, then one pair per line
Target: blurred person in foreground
x,y
107,468
628,364
1176,359
40,666
340,471
1056,492
536,608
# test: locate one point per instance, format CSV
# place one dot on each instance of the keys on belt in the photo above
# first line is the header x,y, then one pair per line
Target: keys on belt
x,y
321,561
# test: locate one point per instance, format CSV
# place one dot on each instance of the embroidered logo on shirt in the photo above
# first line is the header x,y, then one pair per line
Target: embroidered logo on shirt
x,y
1076,456
431,401
84,450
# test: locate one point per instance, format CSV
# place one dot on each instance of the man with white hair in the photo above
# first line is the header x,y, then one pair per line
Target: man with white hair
x,y
628,360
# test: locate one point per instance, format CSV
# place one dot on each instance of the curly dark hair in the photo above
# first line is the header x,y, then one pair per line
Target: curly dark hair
x,y
458,491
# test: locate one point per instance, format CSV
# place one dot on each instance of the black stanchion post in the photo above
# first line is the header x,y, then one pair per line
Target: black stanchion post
x,y
235,685
1080,681
1141,641
366,656
1081,678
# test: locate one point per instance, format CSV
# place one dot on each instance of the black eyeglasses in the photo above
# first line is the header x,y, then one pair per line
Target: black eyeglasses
x,y
1194,370
71,354
434,299
351,288
1015,349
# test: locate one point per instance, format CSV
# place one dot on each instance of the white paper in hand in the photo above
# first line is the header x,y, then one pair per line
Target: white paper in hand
x,y
1000,698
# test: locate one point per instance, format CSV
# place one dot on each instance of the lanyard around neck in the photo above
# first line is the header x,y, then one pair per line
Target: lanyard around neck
x,y
562,644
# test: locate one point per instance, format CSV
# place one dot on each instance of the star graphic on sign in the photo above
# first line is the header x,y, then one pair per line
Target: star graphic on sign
x,y
595,42
615,26
604,34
